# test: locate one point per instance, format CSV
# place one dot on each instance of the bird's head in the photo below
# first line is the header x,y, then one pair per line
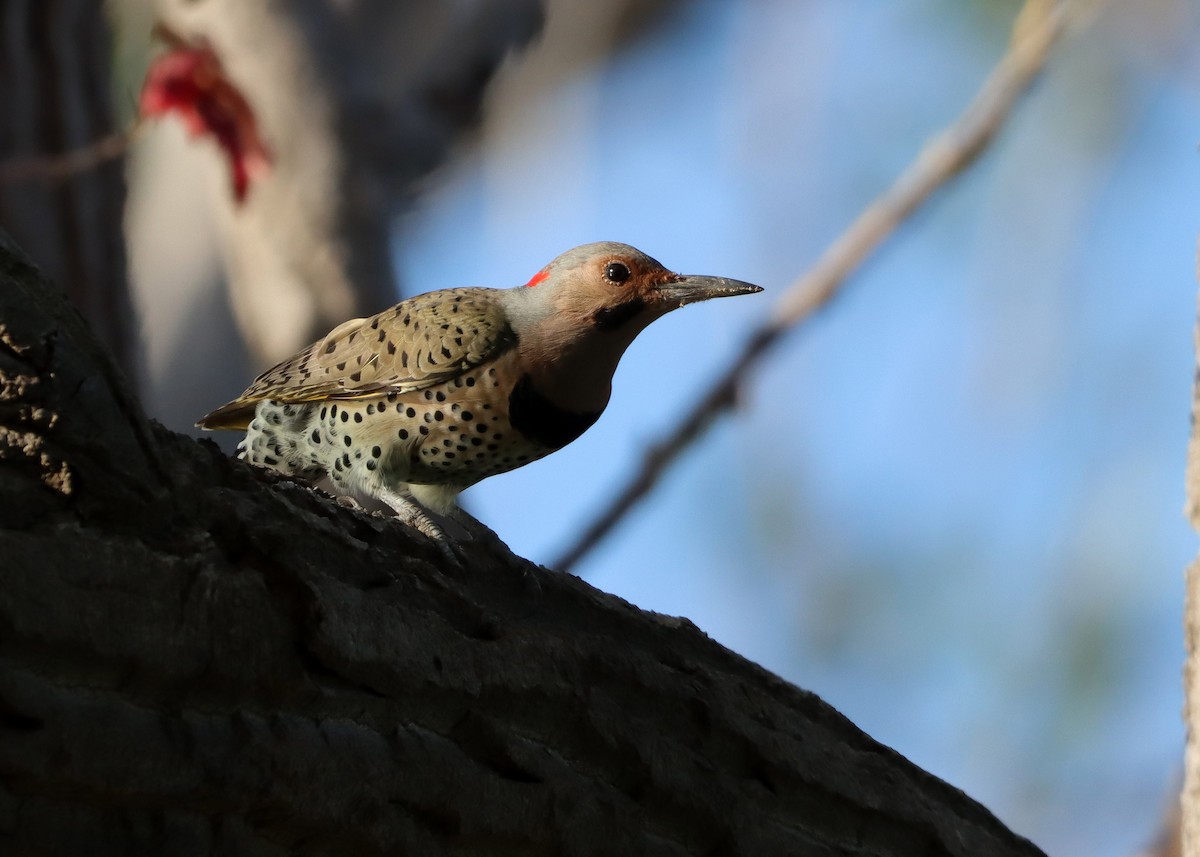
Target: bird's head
x,y
575,317
612,290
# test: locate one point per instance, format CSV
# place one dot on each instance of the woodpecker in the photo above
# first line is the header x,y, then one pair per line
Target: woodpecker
x,y
412,405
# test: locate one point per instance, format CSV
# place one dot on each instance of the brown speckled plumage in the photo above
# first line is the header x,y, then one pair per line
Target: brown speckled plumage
x,y
450,387
419,343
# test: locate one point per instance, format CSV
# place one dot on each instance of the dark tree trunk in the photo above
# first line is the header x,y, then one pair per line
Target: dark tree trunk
x,y
195,662
54,99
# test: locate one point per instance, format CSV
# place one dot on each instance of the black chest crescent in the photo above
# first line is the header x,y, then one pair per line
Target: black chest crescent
x,y
542,421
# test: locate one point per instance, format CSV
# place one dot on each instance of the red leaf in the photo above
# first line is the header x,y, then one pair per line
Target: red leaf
x,y
190,81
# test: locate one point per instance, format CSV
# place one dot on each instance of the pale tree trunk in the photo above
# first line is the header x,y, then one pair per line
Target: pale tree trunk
x,y
357,100
1190,826
195,662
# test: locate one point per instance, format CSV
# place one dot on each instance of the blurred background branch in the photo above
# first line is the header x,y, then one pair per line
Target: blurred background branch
x,y
1038,26
58,118
35,168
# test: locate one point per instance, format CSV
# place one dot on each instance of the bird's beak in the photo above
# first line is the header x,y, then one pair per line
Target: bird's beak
x,y
691,288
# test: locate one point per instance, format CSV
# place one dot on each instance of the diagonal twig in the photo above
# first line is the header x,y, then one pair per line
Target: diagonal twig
x,y
1038,26
63,165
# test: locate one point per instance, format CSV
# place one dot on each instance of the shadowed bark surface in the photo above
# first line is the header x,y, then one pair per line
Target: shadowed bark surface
x,y
193,661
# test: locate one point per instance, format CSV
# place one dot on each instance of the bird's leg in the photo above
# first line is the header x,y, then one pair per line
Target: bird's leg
x,y
417,516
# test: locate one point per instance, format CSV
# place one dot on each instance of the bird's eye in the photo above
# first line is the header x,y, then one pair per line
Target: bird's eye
x,y
616,272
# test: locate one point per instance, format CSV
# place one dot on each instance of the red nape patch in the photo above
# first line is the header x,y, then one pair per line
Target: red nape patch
x,y
537,278
190,81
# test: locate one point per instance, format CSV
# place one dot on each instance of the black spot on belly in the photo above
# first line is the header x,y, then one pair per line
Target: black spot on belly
x,y
542,421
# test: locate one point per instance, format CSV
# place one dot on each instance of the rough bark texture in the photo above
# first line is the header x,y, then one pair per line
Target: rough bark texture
x,y
193,661
54,99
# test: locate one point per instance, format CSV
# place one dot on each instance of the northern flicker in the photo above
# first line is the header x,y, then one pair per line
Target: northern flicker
x,y
413,405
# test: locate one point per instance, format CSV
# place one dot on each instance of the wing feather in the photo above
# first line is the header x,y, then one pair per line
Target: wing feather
x,y
420,342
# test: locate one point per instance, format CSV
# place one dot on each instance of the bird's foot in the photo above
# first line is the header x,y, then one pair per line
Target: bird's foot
x,y
348,502
410,512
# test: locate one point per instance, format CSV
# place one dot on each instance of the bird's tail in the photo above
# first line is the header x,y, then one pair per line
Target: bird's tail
x,y
235,416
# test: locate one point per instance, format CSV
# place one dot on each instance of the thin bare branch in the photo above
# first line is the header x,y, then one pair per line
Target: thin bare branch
x,y
62,165
1038,26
